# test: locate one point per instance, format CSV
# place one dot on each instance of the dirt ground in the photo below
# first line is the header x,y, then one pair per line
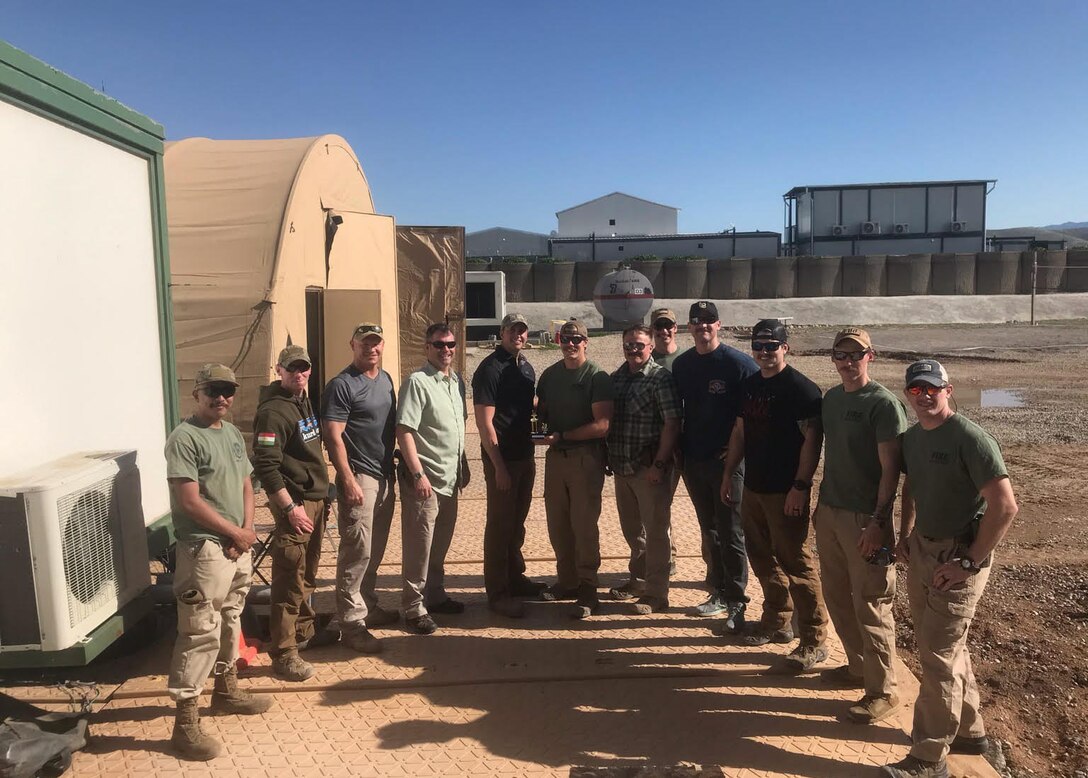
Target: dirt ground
x,y
1029,641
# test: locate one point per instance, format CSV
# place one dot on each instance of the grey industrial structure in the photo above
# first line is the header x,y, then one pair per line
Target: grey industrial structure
x,y
710,245
890,218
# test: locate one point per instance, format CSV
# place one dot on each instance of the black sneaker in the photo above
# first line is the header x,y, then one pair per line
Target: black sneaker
x,y
976,746
526,587
421,625
448,607
587,605
554,594
627,591
913,767
758,635
733,618
322,637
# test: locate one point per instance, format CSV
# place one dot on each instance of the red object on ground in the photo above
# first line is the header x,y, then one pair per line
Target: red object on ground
x,y
247,652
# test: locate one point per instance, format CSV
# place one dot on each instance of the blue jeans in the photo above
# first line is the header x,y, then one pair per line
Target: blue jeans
x,y
721,525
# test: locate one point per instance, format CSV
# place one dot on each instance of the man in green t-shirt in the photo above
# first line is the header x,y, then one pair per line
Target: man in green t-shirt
x,y
211,503
862,421
958,504
574,398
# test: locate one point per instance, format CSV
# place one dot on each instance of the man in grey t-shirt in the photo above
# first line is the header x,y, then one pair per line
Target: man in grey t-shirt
x,y
358,418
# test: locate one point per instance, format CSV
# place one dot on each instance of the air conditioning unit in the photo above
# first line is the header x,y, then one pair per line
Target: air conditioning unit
x,y
902,228
870,228
959,226
838,230
73,549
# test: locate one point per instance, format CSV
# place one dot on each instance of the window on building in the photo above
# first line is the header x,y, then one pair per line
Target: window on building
x,y
700,245
620,248
611,222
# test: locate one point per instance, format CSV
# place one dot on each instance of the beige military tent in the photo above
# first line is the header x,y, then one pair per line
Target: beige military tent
x,y
274,242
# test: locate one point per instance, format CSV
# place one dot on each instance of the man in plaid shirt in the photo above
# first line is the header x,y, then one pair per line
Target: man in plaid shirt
x,y
644,430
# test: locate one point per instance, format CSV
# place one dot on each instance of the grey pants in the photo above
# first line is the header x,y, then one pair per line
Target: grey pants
x,y
364,533
426,533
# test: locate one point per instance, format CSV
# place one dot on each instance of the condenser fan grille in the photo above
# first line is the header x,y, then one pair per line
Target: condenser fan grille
x,y
89,543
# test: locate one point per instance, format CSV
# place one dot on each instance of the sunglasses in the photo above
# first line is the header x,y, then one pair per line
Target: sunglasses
x,y
571,339
768,346
219,390
663,324
444,344
929,390
853,356
297,367
634,348
698,322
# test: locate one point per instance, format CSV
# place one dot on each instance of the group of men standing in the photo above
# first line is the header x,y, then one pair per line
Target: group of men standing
x,y
745,432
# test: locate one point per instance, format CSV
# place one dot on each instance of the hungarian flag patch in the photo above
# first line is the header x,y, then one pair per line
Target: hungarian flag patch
x,y
266,438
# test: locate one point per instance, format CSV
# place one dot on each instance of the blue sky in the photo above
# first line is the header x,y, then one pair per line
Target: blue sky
x,y
501,113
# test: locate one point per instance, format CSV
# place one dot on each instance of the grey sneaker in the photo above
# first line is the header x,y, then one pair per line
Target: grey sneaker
x,y
758,635
627,591
804,658
713,606
289,666
913,767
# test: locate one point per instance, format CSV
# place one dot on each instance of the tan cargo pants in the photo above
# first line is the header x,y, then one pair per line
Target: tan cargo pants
x,y
573,481
426,534
643,508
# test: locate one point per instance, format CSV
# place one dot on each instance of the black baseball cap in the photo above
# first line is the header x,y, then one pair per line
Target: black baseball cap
x,y
703,309
770,329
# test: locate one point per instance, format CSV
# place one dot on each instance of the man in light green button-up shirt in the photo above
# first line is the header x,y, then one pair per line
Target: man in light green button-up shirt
x,y
431,413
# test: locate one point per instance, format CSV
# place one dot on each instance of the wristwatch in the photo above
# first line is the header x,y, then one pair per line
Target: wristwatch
x,y
968,564
659,464
802,486
418,476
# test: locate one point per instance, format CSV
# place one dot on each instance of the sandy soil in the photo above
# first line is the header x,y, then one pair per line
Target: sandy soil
x,y
1030,640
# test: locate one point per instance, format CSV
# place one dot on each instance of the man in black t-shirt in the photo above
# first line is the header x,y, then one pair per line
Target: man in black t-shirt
x,y
502,393
778,434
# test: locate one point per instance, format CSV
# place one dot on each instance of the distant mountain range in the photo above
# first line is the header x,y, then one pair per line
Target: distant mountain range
x,y
1075,234
1066,226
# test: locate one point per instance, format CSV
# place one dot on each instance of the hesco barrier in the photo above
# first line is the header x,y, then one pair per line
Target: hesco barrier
x,y
774,277
908,274
952,274
876,275
729,279
519,280
554,282
997,272
864,276
685,279
819,276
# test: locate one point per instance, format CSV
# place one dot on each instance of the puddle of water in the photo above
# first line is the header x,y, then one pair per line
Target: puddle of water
x,y
991,398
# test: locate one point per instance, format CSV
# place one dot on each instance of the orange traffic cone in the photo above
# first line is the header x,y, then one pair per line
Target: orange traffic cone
x,y
247,652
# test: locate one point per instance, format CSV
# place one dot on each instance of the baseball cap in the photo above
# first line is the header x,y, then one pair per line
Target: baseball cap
x,y
574,327
214,373
514,318
367,328
293,354
703,309
856,334
662,313
771,329
928,371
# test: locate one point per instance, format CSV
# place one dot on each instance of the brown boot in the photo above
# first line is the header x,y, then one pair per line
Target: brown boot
x,y
228,697
189,740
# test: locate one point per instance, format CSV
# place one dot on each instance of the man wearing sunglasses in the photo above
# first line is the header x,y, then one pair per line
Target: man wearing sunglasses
x,y
778,435
958,503
211,505
431,417
574,398
290,465
503,387
862,422
641,437
358,421
709,378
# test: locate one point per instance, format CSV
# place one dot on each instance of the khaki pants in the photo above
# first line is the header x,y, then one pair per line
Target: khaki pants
x,y
364,533
948,703
426,533
644,518
211,592
573,480
504,532
295,559
780,558
858,596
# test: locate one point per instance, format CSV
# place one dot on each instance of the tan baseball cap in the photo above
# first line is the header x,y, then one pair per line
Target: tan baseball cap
x,y
367,328
293,354
514,318
856,334
574,327
214,373
662,313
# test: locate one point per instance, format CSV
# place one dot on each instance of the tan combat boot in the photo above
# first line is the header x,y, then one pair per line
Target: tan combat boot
x,y
228,697
189,741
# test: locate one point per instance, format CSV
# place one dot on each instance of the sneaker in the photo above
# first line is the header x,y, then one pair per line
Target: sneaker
x,y
976,746
448,607
361,640
587,605
325,636
804,658
870,710
759,635
644,606
508,607
913,767
289,666
841,678
733,621
526,587
380,617
554,593
627,591
420,625
713,606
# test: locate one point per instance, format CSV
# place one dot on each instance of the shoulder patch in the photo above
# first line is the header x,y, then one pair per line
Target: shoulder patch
x,y
266,438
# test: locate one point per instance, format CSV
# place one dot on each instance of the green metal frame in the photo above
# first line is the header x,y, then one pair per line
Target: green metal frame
x,y
35,86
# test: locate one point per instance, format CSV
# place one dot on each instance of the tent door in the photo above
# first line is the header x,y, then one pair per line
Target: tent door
x,y
343,310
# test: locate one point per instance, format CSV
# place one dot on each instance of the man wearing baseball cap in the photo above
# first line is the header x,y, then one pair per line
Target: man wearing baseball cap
x,y
862,422
290,465
664,329
359,408
709,378
211,505
958,503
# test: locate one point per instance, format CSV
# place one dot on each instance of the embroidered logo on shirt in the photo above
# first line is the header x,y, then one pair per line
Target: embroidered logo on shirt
x,y
266,438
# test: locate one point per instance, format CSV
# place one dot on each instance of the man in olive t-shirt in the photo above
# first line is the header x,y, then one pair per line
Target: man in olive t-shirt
x,y
574,397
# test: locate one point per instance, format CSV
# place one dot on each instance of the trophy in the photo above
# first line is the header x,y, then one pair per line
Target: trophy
x,y
539,429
